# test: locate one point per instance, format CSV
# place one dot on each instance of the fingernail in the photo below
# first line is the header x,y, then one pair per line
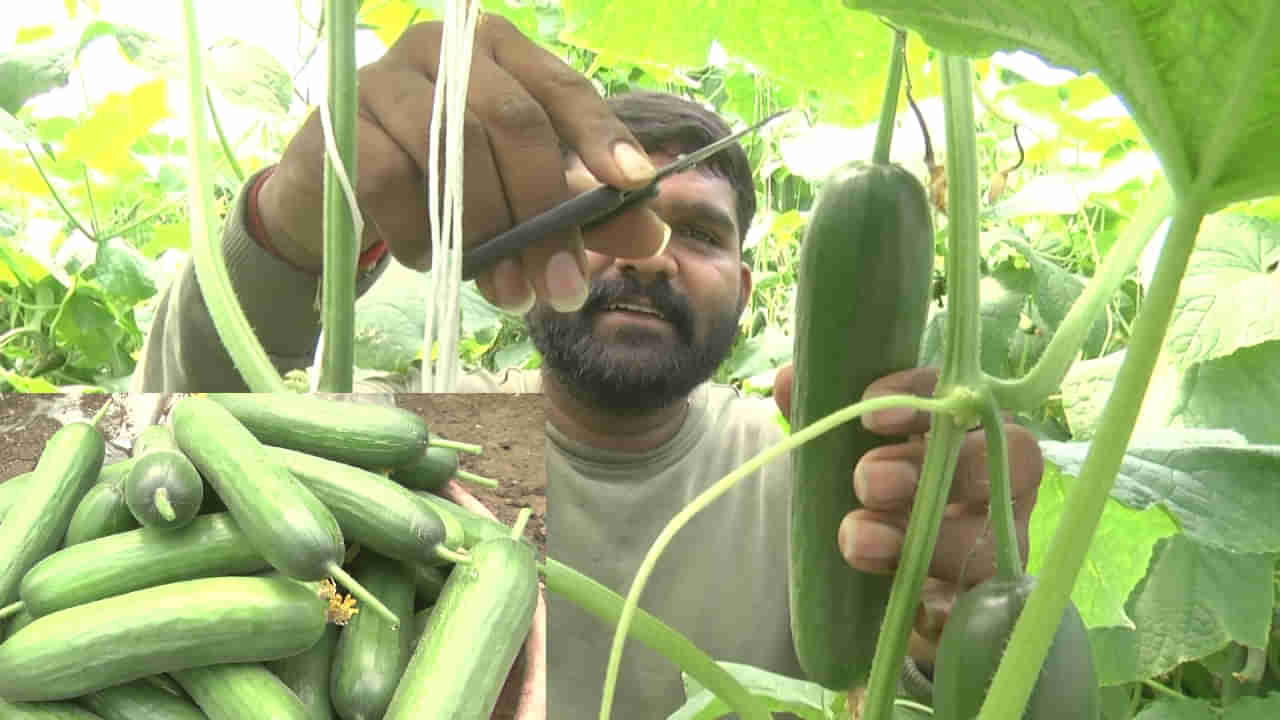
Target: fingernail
x,y
861,542
565,283
860,482
895,482
507,275
634,165
666,238
525,303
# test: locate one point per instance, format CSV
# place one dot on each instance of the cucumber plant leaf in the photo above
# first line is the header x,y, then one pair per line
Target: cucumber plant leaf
x,y
1199,79
1223,494
1119,554
30,72
1194,601
1230,296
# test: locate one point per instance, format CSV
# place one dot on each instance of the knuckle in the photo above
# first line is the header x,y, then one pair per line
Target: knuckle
x,y
518,115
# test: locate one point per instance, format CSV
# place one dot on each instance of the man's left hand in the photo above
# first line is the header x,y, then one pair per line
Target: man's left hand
x,y
885,482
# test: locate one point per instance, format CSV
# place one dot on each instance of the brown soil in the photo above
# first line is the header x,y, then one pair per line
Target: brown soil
x,y
509,428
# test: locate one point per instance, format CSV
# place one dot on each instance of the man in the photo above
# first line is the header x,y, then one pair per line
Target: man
x,y
631,320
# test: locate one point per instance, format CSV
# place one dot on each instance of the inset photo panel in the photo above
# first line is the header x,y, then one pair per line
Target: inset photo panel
x,y
302,555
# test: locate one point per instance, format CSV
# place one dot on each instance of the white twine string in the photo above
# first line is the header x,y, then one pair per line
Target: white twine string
x,y
442,316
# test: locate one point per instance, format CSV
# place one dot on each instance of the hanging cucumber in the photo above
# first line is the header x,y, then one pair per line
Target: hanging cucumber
x,y
861,304
284,520
162,489
371,436
37,522
974,640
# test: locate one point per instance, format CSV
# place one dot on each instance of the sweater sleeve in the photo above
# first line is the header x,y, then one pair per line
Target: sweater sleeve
x,y
182,351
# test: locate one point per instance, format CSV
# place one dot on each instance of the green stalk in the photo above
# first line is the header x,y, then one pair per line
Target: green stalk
x,y
469,448
222,138
1008,558
56,197
1031,390
475,479
211,270
606,605
889,105
1033,633
960,381
522,519
955,404
11,609
338,286
119,231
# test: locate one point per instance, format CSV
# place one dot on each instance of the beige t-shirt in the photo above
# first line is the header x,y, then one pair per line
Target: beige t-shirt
x,y
723,579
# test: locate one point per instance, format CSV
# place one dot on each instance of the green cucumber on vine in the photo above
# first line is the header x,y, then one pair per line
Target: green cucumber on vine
x,y
862,298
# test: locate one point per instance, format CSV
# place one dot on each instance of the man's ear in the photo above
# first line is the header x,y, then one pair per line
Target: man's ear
x,y
744,295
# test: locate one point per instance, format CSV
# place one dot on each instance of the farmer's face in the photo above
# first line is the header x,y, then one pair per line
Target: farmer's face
x,y
653,329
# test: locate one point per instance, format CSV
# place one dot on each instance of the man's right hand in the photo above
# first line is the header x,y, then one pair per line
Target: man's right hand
x,y
522,104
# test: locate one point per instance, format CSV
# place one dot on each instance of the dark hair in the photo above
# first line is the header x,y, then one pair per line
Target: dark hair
x,y
664,121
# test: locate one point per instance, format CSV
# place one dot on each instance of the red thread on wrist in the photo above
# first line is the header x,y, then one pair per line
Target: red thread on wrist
x,y
258,231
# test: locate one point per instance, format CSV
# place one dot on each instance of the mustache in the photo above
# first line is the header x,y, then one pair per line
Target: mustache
x,y
613,288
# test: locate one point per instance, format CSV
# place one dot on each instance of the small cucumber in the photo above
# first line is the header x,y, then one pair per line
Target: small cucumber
x,y
429,581
140,700
472,637
371,655
11,489
15,623
430,471
37,522
210,546
45,711
307,674
102,511
292,529
163,489
238,691
373,510
161,629
371,436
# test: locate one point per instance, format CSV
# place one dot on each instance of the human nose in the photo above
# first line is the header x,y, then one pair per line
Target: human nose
x,y
660,263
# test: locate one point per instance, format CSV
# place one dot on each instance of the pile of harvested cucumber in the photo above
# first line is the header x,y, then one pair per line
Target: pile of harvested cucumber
x,y
196,579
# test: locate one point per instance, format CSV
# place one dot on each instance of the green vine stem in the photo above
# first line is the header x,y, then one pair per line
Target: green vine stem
x,y
222,138
338,286
607,605
11,609
1033,633
1031,390
1008,557
955,404
211,271
475,479
889,105
960,381
56,196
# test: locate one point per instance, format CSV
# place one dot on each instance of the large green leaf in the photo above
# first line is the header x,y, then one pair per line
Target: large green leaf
x,y
32,72
1200,79
250,76
1118,556
1230,296
806,45
1240,392
1224,494
1195,600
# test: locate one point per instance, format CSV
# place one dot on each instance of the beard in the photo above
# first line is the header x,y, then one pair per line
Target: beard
x,y
635,371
